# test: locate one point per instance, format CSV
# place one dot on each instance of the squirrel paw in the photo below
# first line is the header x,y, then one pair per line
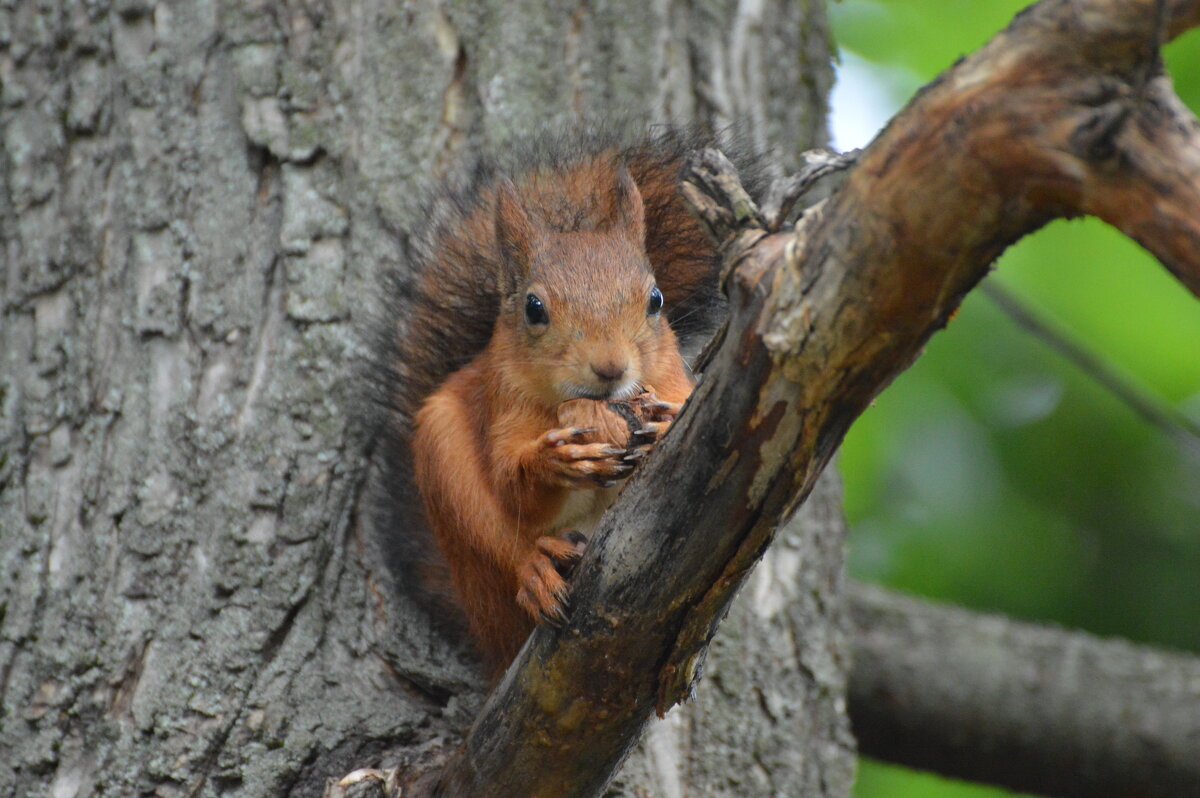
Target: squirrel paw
x,y
543,592
658,416
574,464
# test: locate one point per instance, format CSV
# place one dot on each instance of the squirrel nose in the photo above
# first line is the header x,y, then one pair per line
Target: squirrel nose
x,y
610,371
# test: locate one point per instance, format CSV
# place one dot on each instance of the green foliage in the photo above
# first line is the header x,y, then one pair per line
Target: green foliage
x,y
994,473
878,780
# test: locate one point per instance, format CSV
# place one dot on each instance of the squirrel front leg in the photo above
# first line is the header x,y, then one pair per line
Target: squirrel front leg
x,y
541,471
486,499
542,577
480,532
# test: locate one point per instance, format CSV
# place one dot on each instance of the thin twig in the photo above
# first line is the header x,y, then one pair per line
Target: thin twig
x,y
1154,410
818,165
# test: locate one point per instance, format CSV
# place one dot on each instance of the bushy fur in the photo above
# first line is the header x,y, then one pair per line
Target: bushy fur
x,y
440,315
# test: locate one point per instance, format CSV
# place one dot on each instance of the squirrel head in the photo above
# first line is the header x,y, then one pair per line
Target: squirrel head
x,y
581,315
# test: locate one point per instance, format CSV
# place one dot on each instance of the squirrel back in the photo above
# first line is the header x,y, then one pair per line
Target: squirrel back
x,y
442,315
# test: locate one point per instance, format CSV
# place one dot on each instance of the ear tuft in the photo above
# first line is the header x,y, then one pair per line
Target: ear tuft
x,y
515,236
629,213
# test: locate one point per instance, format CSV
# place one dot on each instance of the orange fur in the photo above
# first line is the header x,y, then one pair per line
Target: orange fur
x,y
497,475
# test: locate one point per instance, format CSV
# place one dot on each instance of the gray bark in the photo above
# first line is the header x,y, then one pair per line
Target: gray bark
x,y
1032,708
766,717
196,198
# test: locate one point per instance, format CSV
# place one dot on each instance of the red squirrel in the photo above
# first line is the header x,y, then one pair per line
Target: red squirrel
x,y
573,277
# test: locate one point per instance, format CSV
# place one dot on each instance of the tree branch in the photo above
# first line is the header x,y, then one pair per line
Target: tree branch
x,y
1150,189
1023,706
1033,126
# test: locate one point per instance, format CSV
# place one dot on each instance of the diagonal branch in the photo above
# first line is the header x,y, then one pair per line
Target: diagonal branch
x,y
1040,123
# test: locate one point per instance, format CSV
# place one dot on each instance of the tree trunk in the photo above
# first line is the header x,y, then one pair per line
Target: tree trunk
x,y
197,199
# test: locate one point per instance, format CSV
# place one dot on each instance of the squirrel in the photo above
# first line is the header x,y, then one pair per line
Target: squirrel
x,y
573,276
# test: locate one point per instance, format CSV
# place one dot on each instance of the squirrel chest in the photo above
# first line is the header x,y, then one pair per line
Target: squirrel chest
x,y
582,509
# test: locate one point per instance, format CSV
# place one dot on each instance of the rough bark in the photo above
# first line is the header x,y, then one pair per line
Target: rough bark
x,y
195,199
1031,127
1028,707
775,682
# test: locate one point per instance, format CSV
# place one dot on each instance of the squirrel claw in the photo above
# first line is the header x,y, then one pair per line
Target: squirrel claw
x,y
643,435
652,430
660,409
609,479
556,617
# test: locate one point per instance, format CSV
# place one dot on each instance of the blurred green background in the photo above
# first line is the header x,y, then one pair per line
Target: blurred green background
x,y
995,473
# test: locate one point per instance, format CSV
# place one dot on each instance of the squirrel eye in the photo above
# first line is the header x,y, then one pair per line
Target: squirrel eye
x,y
656,302
535,311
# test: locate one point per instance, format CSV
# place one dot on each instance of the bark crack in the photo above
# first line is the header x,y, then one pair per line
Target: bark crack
x,y
208,761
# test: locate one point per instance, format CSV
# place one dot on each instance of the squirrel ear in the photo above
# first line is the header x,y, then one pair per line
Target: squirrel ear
x,y
629,214
515,236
